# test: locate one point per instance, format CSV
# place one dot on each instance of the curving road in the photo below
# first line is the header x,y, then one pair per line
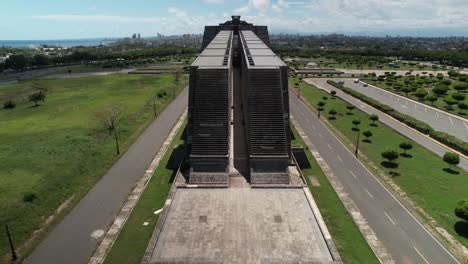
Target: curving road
x,y
404,237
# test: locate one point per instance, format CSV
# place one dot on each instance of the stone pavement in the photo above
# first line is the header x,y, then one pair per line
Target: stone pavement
x,y
241,225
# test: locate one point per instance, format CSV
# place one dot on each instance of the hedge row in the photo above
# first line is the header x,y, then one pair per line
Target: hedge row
x,y
443,137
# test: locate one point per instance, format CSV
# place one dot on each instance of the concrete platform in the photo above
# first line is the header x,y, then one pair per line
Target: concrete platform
x,y
242,225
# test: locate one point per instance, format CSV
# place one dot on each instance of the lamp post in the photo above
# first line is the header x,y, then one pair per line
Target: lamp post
x,y
357,144
14,257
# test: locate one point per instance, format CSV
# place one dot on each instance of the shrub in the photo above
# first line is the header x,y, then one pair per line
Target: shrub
x,y
406,146
333,93
374,118
10,104
390,155
451,158
37,97
461,210
29,197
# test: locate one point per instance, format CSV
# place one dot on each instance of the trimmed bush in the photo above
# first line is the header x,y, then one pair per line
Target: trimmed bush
x,y
9,104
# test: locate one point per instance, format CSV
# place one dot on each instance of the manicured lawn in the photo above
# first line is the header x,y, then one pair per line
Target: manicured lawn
x,y
352,247
56,150
422,176
132,241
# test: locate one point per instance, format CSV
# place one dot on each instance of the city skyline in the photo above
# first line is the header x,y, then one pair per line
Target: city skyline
x,y
53,19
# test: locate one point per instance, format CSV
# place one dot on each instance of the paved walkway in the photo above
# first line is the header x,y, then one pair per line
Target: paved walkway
x,y
403,129
75,238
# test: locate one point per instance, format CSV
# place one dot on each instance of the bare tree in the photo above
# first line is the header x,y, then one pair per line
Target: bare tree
x,y
110,118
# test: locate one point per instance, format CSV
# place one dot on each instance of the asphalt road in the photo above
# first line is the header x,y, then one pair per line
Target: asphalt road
x,y
403,236
436,148
438,119
71,241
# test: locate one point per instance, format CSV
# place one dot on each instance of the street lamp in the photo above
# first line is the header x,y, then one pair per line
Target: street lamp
x,y
357,144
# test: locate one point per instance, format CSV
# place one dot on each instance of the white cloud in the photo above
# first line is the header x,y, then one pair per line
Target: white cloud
x,y
95,18
260,5
216,2
177,12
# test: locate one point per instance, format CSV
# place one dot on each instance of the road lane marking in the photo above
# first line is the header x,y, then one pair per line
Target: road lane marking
x,y
415,106
465,125
383,187
320,135
313,127
368,193
403,106
329,146
419,253
389,218
425,109
354,176
451,121
406,102
437,114
339,158
307,119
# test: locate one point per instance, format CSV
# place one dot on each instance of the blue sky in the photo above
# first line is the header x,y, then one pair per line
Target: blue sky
x,y
54,19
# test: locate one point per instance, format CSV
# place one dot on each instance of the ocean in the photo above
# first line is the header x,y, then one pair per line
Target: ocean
x,y
66,43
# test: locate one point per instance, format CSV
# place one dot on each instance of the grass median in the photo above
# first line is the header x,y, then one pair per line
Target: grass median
x,y
58,150
423,176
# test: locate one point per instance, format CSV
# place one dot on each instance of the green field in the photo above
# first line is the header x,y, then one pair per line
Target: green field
x,y
352,247
132,241
422,176
58,149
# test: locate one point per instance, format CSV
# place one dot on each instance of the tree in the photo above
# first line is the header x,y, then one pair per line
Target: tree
x,y
41,60
461,210
458,96
390,155
431,98
350,108
325,98
460,86
17,62
440,89
367,134
356,123
406,146
450,102
37,97
420,94
110,119
406,90
463,106
452,159
453,73
374,118
320,104
333,93
332,113
10,104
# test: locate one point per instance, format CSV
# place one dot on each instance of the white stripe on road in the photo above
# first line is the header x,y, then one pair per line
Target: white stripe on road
x,y
451,121
403,106
329,146
339,158
389,218
353,174
437,114
368,193
425,109
465,125
419,253
320,135
313,127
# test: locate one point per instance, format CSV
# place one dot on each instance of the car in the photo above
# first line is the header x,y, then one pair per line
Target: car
x,y
365,85
356,80
341,82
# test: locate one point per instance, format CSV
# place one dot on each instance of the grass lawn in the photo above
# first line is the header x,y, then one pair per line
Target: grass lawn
x,y
422,177
56,150
132,241
349,241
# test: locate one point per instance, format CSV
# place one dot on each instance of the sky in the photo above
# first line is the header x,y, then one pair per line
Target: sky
x,y
70,19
